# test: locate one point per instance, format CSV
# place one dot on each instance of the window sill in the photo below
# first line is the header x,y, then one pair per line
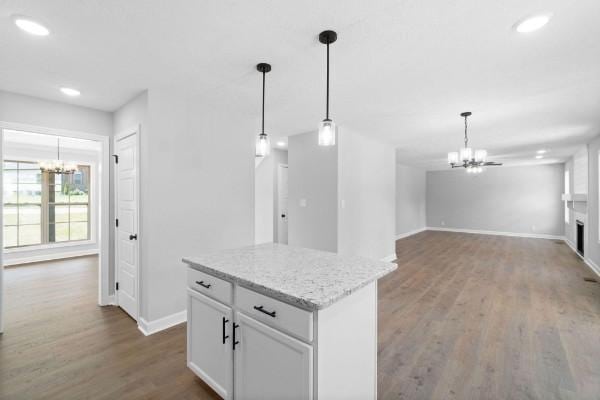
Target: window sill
x,y
49,246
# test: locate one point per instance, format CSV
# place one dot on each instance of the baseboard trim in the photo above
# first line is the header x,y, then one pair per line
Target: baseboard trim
x,y
498,233
151,327
50,257
591,265
410,233
389,258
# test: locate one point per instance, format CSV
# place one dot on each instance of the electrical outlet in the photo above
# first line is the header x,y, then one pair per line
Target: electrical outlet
x,y
533,228
302,202
443,223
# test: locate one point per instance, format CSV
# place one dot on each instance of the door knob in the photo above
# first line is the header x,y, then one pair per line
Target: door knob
x,y
133,237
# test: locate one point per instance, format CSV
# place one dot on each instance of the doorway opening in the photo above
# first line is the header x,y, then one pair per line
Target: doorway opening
x,y
55,193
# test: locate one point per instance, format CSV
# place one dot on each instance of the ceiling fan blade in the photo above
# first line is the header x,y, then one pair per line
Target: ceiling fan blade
x,y
492,163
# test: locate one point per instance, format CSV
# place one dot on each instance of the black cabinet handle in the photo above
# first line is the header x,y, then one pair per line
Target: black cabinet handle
x,y
235,326
262,310
133,237
201,283
225,321
282,215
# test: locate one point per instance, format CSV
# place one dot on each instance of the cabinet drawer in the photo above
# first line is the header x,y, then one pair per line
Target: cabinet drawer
x,y
275,313
216,288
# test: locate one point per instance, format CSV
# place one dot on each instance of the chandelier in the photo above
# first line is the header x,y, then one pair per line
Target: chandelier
x,y
473,161
57,166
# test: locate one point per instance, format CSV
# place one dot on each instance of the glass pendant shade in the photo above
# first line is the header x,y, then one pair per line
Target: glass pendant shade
x,y
327,133
480,155
263,145
466,154
453,157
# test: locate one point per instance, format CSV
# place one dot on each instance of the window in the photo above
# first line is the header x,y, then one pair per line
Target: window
x,y
567,191
44,208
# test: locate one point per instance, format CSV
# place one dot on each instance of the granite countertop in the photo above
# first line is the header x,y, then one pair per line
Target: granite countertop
x,y
310,279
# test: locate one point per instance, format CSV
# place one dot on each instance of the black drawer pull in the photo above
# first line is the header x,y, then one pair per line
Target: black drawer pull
x,y
262,310
201,283
235,326
225,320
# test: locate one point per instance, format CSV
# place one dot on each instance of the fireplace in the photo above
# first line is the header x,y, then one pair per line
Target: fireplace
x,y
580,237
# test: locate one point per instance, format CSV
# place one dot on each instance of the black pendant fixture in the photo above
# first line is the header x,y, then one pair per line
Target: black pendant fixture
x,y
263,146
327,129
473,161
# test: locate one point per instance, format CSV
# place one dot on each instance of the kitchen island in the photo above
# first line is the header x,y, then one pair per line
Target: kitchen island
x,y
273,321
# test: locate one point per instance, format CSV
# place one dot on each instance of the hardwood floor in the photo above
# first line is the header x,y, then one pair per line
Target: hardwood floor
x,y
464,317
58,344
488,317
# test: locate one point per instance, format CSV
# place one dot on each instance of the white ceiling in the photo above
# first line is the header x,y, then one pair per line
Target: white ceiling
x,y
402,71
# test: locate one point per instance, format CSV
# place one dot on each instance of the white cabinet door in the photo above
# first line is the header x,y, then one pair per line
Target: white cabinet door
x,y
270,365
209,352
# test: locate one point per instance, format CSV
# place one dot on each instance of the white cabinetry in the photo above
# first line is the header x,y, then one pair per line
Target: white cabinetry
x,y
209,352
247,345
270,364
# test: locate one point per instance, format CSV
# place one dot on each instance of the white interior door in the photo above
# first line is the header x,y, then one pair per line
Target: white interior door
x,y
282,201
127,203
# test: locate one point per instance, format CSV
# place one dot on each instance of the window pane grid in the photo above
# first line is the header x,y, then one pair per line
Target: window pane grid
x,y
44,207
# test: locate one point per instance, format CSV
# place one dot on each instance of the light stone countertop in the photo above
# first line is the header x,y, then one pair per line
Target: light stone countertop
x,y
311,279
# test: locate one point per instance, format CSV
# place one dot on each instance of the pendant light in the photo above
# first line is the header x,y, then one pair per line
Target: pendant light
x,y
327,129
57,166
473,161
263,145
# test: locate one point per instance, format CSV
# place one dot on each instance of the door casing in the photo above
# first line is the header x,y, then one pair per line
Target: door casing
x,y
122,135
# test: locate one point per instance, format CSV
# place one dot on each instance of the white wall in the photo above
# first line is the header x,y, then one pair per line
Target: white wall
x,y
366,182
28,110
411,199
505,199
313,178
197,191
264,187
592,245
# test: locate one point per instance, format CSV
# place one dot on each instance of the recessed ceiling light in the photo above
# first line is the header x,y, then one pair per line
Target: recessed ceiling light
x,y
30,26
532,23
70,91
281,144
538,157
542,151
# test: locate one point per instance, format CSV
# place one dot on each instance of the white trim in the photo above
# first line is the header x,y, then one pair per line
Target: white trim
x,y
499,233
51,256
591,265
389,258
151,327
410,233
103,201
134,130
48,246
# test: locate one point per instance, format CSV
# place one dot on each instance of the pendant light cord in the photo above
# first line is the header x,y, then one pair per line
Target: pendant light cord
x,y
327,101
466,139
58,147
263,105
